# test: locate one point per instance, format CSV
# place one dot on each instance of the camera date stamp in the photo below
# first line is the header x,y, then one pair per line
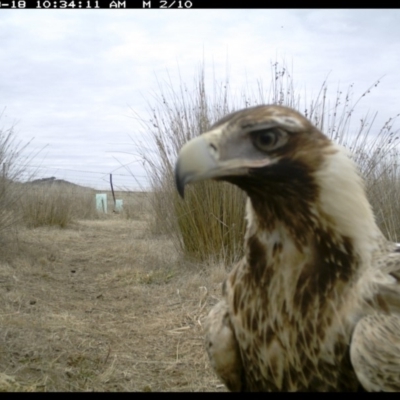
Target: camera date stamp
x,y
96,4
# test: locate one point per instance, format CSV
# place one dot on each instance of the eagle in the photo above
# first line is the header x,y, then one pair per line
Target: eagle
x,y
314,304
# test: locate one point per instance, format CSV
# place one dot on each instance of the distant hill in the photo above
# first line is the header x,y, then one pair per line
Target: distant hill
x,y
61,182
54,181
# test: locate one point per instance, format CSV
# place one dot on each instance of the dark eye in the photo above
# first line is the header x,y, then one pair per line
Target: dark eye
x,y
268,139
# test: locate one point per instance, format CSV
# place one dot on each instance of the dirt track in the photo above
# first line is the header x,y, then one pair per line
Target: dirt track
x,y
104,306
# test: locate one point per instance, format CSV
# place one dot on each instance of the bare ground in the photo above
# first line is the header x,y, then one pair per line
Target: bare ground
x,y
103,306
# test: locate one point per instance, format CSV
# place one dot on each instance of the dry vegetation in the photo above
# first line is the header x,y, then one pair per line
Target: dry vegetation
x,y
12,166
115,302
56,204
209,224
96,302
102,305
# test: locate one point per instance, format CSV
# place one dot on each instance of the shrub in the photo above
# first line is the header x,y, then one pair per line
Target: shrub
x,y
14,161
56,204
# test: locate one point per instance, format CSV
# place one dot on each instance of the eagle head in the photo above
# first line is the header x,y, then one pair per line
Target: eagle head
x,y
291,171
260,149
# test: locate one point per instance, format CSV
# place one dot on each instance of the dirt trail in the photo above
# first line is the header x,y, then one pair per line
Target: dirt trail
x,y
102,306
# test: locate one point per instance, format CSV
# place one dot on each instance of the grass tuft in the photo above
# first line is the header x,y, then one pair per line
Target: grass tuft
x,y
14,160
56,204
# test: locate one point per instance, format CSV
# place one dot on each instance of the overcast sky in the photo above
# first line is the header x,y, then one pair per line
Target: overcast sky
x,y
71,78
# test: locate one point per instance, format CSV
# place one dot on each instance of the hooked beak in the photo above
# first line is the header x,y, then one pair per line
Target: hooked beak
x,y
197,160
206,157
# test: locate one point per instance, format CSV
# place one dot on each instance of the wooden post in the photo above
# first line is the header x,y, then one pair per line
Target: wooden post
x,y
112,191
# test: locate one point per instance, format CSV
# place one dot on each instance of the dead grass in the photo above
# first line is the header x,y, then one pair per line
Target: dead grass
x,y
102,305
14,160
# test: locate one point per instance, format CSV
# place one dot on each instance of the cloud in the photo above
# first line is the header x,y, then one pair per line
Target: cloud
x,y
71,78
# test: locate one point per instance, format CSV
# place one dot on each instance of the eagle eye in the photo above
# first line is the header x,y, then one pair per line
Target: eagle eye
x,y
268,139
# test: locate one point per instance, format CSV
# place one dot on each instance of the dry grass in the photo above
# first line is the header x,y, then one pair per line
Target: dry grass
x,y
14,160
102,305
60,203
209,224
51,205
